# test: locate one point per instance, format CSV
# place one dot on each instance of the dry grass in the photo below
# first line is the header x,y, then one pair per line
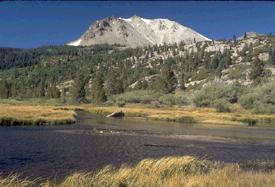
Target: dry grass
x,y
201,115
165,172
35,115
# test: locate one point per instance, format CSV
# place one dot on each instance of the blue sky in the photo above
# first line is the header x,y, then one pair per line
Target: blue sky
x,y
33,24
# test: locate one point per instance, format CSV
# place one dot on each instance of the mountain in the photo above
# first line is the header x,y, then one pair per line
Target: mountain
x,y
137,32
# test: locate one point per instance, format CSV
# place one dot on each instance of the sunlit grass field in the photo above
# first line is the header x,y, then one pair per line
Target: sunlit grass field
x,y
184,171
35,115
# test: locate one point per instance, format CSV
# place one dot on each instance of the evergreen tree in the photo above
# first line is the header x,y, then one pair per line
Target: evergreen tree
x,y
215,61
272,56
167,81
113,84
234,39
4,89
257,70
182,81
40,90
245,35
53,92
79,92
98,93
224,61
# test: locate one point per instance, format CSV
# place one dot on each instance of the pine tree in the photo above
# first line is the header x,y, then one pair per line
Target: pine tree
x,y
234,38
40,90
98,93
257,70
4,89
245,35
182,81
167,81
79,92
215,61
225,61
53,92
113,85
272,56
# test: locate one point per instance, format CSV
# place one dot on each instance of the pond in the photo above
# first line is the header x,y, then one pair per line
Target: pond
x,y
54,152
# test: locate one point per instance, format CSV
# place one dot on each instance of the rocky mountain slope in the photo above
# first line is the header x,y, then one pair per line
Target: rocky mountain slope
x,y
35,72
137,32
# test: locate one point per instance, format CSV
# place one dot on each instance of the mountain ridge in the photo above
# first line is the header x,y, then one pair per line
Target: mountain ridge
x,y
137,32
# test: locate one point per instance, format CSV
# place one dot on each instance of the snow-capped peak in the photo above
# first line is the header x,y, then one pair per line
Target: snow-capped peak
x,y
136,31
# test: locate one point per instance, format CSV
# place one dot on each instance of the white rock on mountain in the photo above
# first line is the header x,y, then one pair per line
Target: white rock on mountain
x,y
136,31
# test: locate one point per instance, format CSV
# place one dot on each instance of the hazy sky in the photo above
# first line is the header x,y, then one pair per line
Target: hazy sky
x,y
33,24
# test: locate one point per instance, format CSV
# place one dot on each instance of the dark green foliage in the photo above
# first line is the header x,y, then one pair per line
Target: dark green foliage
x,y
186,119
79,91
113,83
208,95
53,92
260,99
4,89
257,70
182,80
130,75
272,56
40,89
167,81
97,90
222,105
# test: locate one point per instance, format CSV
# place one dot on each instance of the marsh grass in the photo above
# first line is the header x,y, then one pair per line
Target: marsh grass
x,y
186,114
36,115
184,171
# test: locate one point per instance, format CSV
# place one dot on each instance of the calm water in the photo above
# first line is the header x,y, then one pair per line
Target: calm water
x,y
54,152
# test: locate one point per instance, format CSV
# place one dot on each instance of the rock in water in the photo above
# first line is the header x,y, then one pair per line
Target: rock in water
x,y
119,114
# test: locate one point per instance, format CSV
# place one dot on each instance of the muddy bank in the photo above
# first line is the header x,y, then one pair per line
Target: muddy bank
x,y
92,143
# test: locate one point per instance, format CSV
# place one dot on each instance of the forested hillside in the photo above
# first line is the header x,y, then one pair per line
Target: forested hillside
x,y
103,73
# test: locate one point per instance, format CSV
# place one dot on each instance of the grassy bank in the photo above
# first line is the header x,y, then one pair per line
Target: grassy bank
x,y
22,114
189,114
169,171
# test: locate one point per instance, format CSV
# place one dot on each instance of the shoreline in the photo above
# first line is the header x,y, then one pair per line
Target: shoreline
x,y
190,115
31,114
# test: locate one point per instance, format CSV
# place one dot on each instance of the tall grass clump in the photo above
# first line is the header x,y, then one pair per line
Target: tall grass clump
x,y
11,115
184,171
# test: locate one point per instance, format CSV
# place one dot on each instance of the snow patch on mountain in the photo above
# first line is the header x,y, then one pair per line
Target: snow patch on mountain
x,y
137,32
75,43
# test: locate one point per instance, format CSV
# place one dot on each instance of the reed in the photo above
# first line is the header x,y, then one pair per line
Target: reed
x,y
238,115
36,115
184,171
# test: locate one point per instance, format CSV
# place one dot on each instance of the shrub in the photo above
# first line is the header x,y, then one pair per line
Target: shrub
x,y
168,99
138,96
262,100
222,105
207,95
150,97
155,104
247,101
120,103
186,119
